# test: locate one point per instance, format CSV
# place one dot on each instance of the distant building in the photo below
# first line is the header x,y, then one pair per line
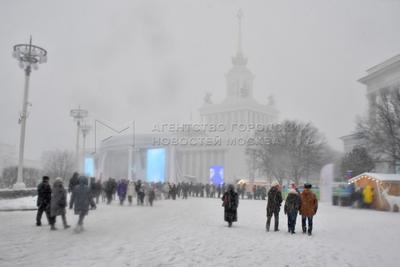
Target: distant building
x,y
384,76
234,117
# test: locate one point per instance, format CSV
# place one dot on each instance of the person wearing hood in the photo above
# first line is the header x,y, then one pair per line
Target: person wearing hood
x,y
81,199
273,205
58,203
309,206
230,202
292,206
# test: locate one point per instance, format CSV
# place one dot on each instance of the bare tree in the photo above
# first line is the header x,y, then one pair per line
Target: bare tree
x,y
358,161
9,176
58,163
290,150
381,130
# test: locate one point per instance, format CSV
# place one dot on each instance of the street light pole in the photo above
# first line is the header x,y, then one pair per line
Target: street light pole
x,y
78,115
85,131
29,56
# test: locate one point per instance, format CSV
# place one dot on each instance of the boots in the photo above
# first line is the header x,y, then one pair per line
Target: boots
x,y
64,219
78,229
53,228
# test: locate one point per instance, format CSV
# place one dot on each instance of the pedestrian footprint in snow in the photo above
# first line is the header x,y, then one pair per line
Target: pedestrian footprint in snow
x,y
58,203
81,199
230,202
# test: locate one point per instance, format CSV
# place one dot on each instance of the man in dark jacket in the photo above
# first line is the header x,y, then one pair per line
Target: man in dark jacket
x,y
109,190
230,202
274,205
81,199
43,201
292,206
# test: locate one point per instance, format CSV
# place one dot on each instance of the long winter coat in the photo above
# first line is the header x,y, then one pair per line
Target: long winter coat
x,y
58,199
309,203
122,188
81,197
274,201
44,194
131,189
230,202
292,203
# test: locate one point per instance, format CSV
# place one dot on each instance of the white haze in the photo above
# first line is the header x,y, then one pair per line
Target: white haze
x,y
153,61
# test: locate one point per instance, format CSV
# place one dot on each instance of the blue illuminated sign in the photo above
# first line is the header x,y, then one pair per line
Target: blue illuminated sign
x,y
89,167
217,174
156,165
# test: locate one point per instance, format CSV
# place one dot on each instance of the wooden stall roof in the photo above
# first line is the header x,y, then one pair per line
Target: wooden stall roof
x,y
383,177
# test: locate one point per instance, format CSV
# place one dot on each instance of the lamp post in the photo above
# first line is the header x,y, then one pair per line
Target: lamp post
x,y
29,56
85,131
78,115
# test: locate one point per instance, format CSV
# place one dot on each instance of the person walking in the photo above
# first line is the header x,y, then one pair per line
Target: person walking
x,y
122,188
292,207
230,202
308,208
131,191
58,203
273,205
81,199
43,201
109,190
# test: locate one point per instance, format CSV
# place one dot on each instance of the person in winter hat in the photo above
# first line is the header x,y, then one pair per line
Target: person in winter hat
x,y
309,206
230,202
58,203
43,201
273,205
81,199
292,206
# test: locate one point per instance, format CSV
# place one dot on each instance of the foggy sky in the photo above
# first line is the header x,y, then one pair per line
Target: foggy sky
x,y
153,61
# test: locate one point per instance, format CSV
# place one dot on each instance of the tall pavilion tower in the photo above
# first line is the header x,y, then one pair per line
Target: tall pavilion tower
x,y
239,105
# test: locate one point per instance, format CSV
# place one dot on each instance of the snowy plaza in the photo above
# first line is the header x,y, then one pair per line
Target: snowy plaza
x,y
192,233
225,114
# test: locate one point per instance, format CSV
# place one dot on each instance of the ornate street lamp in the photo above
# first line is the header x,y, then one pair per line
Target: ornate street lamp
x,y
29,56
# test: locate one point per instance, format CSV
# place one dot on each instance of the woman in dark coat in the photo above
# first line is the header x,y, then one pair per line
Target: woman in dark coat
x,y
81,199
292,207
122,188
230,202
58,203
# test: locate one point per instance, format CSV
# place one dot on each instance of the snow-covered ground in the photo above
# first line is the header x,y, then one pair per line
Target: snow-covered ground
x,y
18,204
192,233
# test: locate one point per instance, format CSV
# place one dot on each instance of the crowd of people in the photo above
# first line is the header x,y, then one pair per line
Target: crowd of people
x,y
85,195
304,203
53,201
